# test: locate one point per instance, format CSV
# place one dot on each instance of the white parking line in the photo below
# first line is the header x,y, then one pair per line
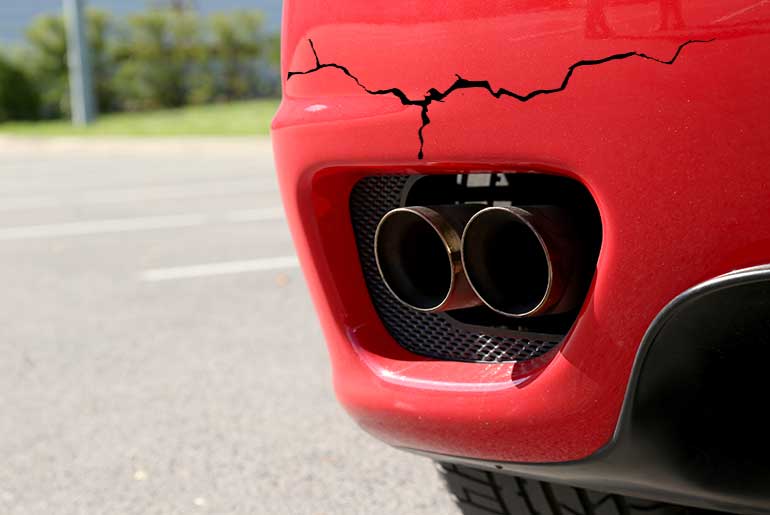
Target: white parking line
x,y
117,225
234,187
255,215
30,202
223,268
120,195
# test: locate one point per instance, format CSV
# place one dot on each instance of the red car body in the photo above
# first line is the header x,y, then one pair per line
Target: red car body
x,y
671,142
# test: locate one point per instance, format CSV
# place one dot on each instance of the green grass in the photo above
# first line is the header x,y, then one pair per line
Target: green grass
x,y
230,119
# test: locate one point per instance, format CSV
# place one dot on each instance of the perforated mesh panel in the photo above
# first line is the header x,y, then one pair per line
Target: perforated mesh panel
x,y
429,334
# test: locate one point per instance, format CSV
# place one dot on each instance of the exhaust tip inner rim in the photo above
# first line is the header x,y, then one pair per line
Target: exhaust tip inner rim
x,y
450,241
516,215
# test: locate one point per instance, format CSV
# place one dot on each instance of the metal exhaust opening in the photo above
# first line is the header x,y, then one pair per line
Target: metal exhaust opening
x,y
417,250
520,261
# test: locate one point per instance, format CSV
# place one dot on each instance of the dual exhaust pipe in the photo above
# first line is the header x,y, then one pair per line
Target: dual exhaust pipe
x,y
519,262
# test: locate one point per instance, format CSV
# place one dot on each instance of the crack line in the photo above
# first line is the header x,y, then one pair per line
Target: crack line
x,y
434,95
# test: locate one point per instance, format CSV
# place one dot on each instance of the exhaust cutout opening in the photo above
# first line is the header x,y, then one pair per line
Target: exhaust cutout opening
x,y
413,259
507,262
470,331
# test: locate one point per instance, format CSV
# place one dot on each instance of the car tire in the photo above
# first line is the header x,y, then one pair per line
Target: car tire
x,y
481,492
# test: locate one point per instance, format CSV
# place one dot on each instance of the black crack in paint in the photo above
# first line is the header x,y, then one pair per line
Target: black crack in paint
x,y
434,95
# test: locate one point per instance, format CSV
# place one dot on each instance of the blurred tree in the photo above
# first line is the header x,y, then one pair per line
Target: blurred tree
x,y
175,5
45,60
100,31
243,54
18,97
160,58
271,75
162,61
273,50
237,48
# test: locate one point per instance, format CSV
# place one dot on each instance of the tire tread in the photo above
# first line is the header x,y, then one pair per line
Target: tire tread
x,y
482,492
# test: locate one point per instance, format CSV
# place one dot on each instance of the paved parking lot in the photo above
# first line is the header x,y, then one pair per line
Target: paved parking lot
x,y
158,349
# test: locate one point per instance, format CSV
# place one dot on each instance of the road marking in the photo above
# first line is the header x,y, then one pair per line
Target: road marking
x,y
31,202
255,215
234,187
118,225
100,226
121,195
741,11
223,268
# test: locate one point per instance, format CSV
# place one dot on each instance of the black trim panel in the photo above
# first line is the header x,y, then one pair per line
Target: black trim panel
x,y
693,429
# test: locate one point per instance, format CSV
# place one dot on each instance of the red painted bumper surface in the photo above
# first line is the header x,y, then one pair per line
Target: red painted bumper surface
x,y
676,157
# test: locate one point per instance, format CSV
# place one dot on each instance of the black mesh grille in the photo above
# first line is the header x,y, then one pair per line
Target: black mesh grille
x,y
429,334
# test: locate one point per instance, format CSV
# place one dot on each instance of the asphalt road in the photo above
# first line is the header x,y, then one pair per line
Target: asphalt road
x,y
158,349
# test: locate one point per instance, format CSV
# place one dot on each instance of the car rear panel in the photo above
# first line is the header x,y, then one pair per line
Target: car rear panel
x,y
670,140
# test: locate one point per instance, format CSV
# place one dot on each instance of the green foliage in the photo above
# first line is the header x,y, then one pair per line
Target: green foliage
x,y
156,59
162,61
238,46
45,59
168,58
100,31
18,98
273,51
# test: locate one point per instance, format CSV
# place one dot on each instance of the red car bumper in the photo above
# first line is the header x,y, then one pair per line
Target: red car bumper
x,y
675,155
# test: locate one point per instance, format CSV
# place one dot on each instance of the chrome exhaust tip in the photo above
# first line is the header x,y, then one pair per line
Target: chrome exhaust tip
x,y
521,261
418,255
